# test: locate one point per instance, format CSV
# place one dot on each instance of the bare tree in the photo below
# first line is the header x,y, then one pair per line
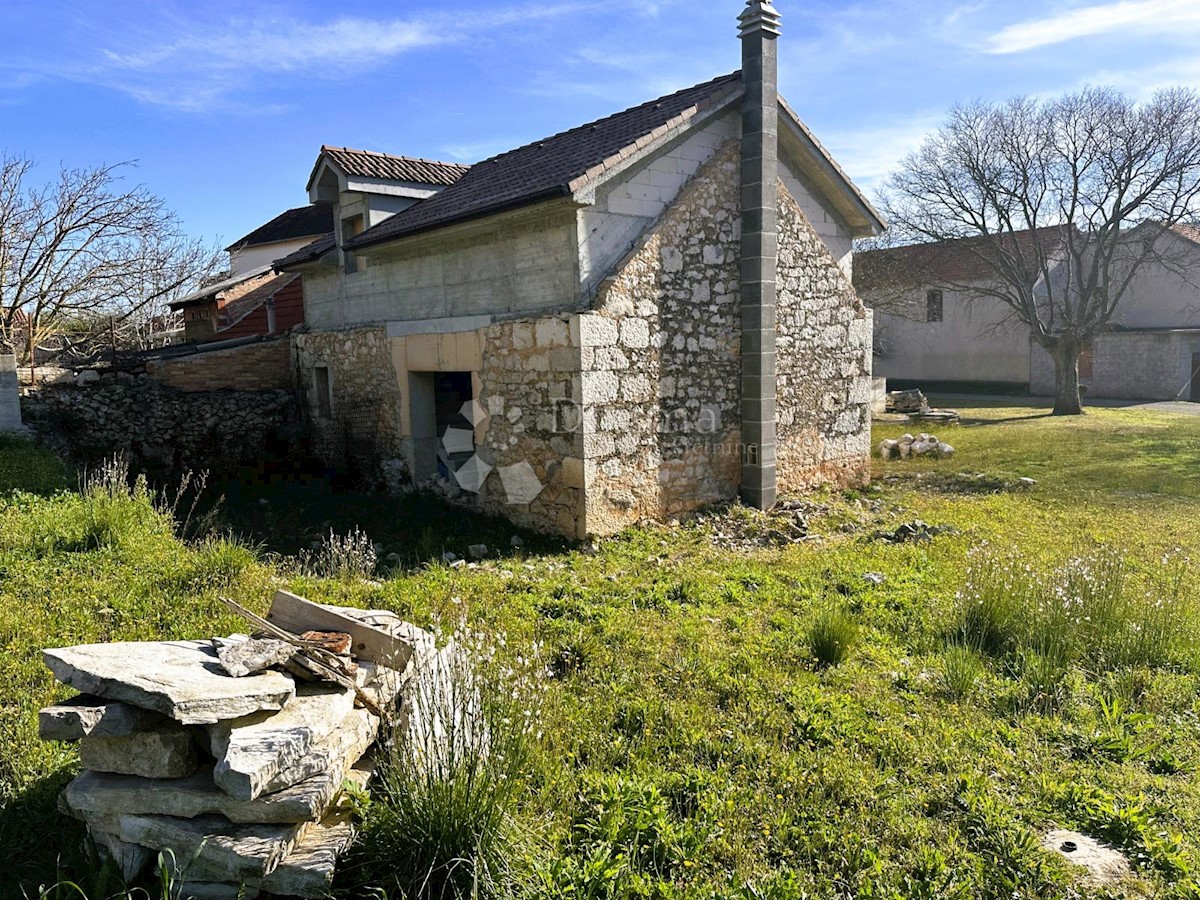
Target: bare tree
x,y
85,252
1064,201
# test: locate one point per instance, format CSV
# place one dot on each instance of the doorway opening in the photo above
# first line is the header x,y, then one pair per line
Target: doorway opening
x,y
443,436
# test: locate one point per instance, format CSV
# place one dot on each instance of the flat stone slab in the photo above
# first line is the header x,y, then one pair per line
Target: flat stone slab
x,y
130,859
211,848
87,715
308,870
1104,865
94,794
349,741
180,679
254,751
166,752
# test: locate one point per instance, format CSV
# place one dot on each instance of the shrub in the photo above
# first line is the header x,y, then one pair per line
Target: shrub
x,y
443,824
219,561
348,558
832,636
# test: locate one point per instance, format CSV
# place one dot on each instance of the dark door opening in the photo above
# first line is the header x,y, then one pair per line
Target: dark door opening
x,y
456,434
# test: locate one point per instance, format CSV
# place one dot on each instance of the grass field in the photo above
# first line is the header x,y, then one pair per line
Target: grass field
x,y
722,721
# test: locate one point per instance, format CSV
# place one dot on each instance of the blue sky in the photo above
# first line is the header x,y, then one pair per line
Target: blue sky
x,y
225,105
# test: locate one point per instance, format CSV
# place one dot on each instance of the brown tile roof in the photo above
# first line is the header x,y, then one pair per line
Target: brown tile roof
x,y
303,221
1187,232
307,253
369,164
956,261
551,167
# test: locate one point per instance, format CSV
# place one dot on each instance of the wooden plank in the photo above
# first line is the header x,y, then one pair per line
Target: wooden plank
x,y
297,615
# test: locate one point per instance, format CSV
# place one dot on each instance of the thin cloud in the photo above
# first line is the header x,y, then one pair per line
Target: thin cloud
x,y
228,67
1144,16
869,155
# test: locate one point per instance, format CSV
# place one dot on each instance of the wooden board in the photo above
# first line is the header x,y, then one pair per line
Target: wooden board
x,y
297,615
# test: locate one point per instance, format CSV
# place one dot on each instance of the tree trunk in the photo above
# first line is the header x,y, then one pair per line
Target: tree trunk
x,y
1066,378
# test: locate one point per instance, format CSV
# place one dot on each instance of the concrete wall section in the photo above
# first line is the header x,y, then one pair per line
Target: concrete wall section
x,y
626,206
823,348
976,341
10,397
514,266
828,225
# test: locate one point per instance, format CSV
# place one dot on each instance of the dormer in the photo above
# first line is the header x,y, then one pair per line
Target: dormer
x,y
365,188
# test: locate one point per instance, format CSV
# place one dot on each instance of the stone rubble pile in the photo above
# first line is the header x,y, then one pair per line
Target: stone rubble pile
x,y
911,401
242,778
908,446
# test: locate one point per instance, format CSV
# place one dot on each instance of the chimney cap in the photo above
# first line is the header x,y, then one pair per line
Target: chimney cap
x,y
759,15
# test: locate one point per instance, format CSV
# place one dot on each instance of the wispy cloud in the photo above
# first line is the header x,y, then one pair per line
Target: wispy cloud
x,y
868,155
1143,16
205,66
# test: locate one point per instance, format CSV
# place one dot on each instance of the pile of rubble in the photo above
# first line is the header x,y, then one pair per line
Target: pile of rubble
x,y
914,404
911,401
233,753
908,446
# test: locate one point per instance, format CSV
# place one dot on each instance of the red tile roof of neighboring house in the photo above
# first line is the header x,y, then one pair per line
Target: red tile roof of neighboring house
x,y
303,221
249,314
369,164
546,169
961,260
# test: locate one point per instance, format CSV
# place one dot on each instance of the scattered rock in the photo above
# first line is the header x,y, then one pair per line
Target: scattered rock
x,y
1027,482
873,577
914,532
166,752
88,715
394,559
477,551
449,557
515,541
180,679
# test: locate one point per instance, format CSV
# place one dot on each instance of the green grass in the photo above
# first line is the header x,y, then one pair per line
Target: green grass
x,y
694,745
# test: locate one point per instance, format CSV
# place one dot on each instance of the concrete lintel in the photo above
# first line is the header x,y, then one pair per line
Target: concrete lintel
x,y
450,325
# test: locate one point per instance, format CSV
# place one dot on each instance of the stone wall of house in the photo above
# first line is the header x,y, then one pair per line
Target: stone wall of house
x,y
660,386
263,366
164,431
823,363
358,429
531,439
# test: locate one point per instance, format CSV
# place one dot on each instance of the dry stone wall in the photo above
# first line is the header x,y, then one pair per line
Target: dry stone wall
x,y
823,363
356,426
161,429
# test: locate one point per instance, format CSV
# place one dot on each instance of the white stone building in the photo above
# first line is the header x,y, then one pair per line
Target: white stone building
x,y
629,320
935,328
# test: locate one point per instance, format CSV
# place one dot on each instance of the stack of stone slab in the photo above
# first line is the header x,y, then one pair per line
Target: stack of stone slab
x,y
242,779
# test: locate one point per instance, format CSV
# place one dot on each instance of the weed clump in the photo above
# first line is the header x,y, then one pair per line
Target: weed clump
x,y
443,823
831,637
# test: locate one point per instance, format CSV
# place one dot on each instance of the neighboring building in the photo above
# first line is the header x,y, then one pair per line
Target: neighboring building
x,y
938,337
284,234
258,302
629,320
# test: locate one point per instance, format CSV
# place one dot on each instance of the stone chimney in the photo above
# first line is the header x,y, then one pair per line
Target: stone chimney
x,y
760,27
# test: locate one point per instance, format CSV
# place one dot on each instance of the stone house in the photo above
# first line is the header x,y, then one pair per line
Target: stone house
x,y
630,320
937,329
